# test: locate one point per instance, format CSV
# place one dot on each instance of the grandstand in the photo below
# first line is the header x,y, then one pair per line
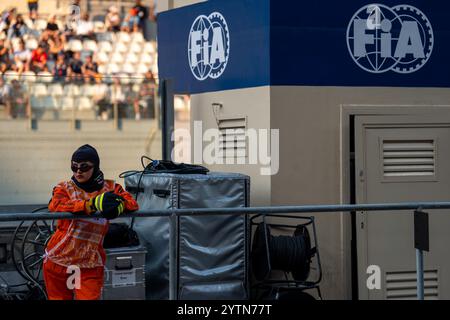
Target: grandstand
x,y
66,109
125,56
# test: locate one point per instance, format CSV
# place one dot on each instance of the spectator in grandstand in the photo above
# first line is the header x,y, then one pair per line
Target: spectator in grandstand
x,y
33,6
85,28
56,46
141,13
112,19
3,91
76,3
7,20
44,39
75,70
39,59
21,58
131,21
52,27
5,62
18,29
17,101
119,97
146,97
90,70
60,68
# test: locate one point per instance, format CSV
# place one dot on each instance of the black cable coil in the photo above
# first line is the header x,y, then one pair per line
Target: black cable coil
x,y
287,253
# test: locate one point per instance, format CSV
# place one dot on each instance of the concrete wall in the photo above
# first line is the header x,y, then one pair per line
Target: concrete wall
x,y
311,166
244,102
32,162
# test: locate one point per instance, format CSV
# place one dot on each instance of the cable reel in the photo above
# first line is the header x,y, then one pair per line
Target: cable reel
x,y
286,253
28,250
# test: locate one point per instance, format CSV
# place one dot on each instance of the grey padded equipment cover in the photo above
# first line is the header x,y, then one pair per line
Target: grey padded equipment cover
x,y
194,257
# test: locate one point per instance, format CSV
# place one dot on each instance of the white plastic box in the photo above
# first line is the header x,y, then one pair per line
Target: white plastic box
x,y
124,274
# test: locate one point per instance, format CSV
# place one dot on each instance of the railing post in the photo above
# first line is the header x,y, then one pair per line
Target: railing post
x,y
420,280
421,244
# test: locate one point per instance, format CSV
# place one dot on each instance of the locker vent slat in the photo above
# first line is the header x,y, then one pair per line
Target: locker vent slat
x,y
409,158
232,137
403,285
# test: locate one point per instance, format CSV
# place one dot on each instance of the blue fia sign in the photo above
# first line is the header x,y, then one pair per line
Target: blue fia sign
x,y
231,44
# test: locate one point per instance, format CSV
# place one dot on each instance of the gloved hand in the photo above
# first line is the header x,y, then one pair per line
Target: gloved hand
x,y
109,204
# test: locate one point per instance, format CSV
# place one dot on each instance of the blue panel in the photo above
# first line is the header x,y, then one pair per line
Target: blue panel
x,y
294,42
248,61
309,47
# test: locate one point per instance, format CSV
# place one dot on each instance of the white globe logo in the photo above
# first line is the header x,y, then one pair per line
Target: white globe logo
x,y
380,39
208,46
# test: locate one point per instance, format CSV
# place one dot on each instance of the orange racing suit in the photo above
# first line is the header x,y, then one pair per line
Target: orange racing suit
x,y
78,242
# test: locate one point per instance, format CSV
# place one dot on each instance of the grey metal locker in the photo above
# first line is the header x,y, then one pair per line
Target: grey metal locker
x,y
194,257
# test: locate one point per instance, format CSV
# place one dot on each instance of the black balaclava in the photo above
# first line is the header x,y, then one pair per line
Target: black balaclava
x,y
88,153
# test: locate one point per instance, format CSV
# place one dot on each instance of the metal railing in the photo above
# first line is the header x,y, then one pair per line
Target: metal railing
x,y
65,100
415,206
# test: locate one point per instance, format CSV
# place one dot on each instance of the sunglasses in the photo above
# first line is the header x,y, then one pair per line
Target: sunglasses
x,y
84,167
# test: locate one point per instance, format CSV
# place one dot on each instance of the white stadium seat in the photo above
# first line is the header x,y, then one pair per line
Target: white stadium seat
x,y
124,78
117,58
75,45
131,58
60,25
102,57
124,37
137,37
149,47
128,68
49,102
100,90
31,44
106,36
39,90
10,76
102,69
71,90
142,68
155,69
136,48
40,24
87,90
137,79
55,90
90,45
107,78
15,43
85,103
121,47
99,26
136,88
45,76
112,68
35,102
146,59
105,46
28,76
67,103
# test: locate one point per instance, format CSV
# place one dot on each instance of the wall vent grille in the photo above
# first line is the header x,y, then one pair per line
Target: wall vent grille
x,y
409,158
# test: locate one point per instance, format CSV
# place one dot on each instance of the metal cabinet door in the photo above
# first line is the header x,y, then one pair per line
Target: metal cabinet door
x,y
401,159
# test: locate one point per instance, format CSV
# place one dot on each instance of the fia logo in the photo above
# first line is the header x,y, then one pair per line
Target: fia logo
x,y
209,46
380,38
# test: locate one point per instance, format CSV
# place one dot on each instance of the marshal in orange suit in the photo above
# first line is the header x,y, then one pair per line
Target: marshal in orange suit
x,y
79,242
